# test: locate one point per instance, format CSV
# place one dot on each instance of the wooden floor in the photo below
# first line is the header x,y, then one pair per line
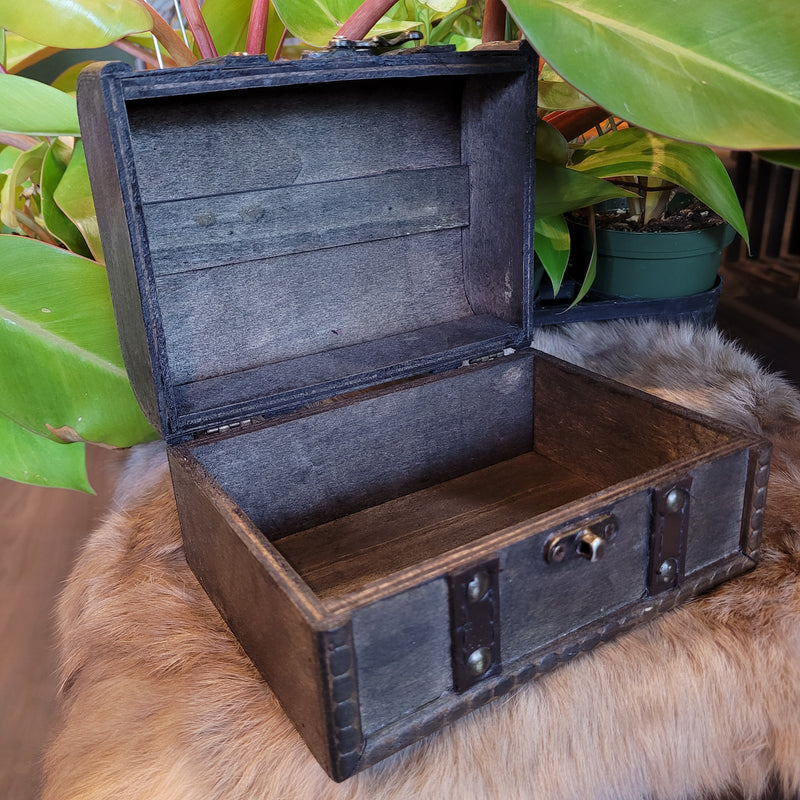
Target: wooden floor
x,y
40,533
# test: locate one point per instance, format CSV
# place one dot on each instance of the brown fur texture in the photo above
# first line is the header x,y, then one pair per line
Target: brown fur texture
x,y
159,703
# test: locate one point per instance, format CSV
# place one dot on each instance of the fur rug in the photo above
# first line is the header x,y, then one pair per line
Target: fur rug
x,y
159,703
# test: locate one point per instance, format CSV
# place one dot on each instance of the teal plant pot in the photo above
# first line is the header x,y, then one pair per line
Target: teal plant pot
x,y
648,264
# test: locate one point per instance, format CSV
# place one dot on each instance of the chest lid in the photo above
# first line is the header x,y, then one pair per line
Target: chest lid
x,y
278,233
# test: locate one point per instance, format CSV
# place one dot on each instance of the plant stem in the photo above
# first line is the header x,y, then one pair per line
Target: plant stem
x,y
197,25
18,140
364,18
173,43
257,27
142,53
494,21
279,48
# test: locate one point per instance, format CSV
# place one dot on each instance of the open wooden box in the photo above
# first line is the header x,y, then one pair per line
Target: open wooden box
x,y
321,275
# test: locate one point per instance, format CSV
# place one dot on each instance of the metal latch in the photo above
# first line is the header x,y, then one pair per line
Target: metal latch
x,y
475,624
377,44
668,536
586,541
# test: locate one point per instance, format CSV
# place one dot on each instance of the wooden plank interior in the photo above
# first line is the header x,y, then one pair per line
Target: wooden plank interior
x,y
597,427
213,144
254,312
343,555
390,356
313,467
264,223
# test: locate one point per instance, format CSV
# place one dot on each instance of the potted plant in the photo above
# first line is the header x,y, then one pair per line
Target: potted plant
x,y
649,246
64,383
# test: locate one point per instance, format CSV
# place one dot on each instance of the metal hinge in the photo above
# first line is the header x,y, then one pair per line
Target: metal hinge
x,y
508,351
229,426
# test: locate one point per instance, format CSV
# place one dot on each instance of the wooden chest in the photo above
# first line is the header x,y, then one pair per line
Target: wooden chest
x,y
321,274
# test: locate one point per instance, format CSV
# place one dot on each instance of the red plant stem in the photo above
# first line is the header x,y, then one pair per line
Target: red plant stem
x,y
494,21
142,53
19,140
197,25
279,48
363,19
257,27
173,43
577,121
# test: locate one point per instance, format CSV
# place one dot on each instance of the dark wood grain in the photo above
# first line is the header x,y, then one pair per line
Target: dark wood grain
x,y
317,466
594,426
345,554
261,224
270,212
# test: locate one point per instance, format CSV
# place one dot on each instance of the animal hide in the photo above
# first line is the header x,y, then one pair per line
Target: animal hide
x,y
159,703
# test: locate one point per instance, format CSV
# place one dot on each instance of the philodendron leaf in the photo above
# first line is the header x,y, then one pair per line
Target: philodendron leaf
x,y
21,52
29,458
61,374
551,146
552,245
74,197
27,166
27,106
315,21
57,222
725,74
785,158
74,23
694,167
560,189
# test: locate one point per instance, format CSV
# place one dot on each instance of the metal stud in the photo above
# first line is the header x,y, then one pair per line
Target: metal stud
x,y
479,661
556,551
668,570
478,586
674,499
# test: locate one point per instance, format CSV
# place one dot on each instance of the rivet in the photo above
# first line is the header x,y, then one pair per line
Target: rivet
x,y
674,499
610,528
668,570
479,661
556,552
478,586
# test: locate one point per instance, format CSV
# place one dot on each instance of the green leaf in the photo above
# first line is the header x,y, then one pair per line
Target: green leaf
x,y
785,158
29,458
551,146
74,23
62,374
27,165
27,106
552,245
315,21
443,6
20,51
719,73
57,222
74,197
560,189
67,81
555,94
694,167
